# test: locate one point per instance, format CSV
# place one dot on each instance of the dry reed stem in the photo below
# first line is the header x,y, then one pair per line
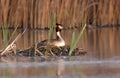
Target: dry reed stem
x,y
37,13
39,52
12,46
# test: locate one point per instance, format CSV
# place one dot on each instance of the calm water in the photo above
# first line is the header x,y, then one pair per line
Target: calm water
x,y
101,61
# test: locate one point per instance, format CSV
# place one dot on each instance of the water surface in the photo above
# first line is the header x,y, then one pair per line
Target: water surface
x,y
101,61
59,67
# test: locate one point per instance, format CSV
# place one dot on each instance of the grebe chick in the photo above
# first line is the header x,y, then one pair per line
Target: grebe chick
x,y
59,41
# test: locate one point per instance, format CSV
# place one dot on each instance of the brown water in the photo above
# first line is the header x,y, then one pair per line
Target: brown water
x,y
101,61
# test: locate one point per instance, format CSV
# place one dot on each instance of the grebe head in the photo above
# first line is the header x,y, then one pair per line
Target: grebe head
x,y
59,27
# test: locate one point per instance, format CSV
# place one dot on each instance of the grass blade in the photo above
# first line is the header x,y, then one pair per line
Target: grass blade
x,y
74,42
5,35
52,23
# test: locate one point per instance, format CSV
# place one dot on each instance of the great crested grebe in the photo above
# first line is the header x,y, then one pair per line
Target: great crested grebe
x,y
59,41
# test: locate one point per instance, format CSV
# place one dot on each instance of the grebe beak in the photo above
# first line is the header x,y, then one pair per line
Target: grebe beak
x,y
60,27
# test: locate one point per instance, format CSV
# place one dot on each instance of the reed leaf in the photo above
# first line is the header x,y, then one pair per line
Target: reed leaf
x,y
75,42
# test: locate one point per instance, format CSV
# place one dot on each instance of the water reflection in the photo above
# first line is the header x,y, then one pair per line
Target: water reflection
x,y
100,42
60,67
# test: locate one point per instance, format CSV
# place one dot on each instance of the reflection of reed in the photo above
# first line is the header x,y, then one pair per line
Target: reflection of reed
x,y
104,42
37,13
60,68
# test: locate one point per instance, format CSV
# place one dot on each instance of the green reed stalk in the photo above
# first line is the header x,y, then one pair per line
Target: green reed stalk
x,y
5,35
52,24
13,33
35,48
75,42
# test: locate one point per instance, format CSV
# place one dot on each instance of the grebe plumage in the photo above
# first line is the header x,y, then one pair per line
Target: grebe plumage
x,y
59,41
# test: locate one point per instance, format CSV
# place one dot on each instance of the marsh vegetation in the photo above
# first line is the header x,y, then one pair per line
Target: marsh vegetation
x,y
37,13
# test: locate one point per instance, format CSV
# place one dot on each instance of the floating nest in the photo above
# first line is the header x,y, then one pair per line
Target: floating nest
x,y
38,50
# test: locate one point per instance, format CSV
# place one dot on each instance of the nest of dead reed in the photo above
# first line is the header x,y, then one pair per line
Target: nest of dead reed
x,y
39,50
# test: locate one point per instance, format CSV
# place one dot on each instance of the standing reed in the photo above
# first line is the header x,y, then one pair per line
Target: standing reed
x,y
37,13
5,35
74,41
52,24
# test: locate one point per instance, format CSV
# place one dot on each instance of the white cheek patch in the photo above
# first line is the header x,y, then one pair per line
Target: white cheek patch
x,y
60,27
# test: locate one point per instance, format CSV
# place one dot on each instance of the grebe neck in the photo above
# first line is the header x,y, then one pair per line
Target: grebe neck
x,y
58,35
